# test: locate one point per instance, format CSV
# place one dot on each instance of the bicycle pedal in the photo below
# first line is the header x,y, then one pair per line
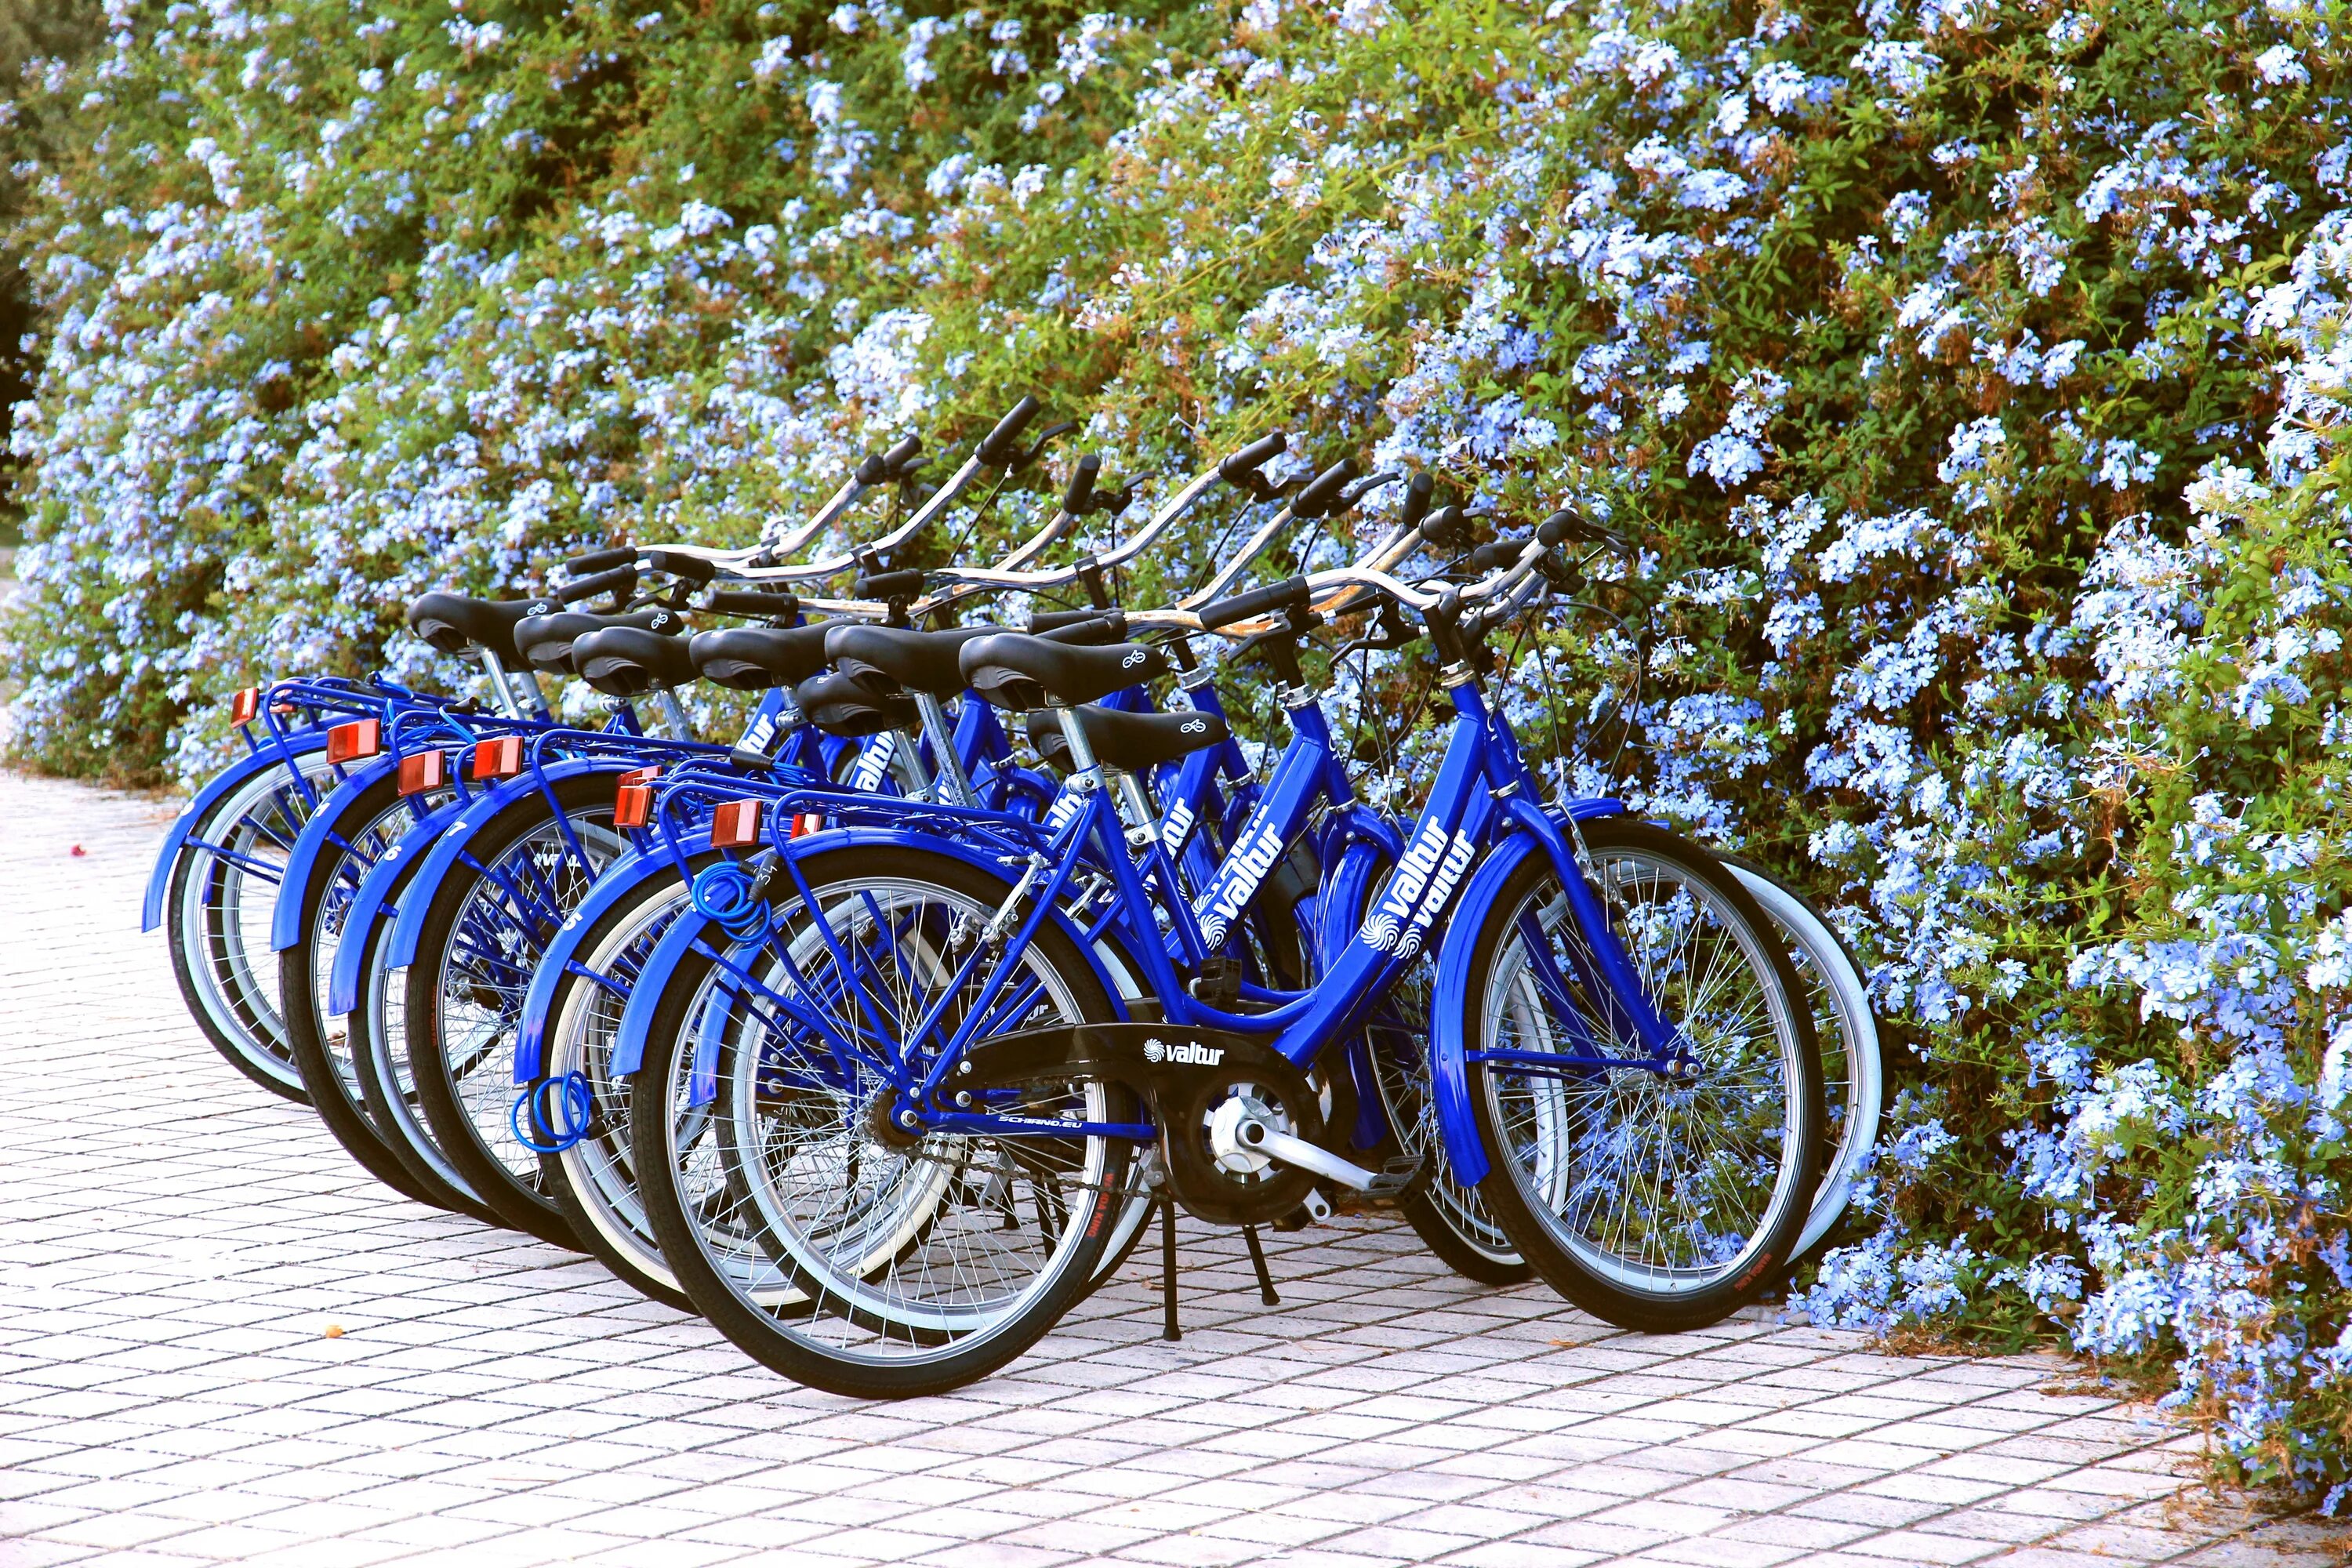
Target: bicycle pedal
x,y
1397,1174
1219,983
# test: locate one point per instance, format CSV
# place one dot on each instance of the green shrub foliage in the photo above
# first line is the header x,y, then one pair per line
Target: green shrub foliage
x,y
1968,371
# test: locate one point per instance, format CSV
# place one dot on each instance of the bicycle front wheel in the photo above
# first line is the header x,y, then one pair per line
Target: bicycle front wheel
x,y
809,1227
1657,1197
1853,1075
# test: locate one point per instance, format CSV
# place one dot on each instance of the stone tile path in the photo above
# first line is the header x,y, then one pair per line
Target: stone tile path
x,y
178,1248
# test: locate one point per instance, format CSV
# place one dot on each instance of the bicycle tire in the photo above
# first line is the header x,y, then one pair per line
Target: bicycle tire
x,y
847,1347
220,950
1555,1161
592,1180
1855,1095
467,1102
375,1032
372,821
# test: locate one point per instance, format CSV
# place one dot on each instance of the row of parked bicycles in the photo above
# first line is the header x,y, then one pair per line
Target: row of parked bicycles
x,y
882,1033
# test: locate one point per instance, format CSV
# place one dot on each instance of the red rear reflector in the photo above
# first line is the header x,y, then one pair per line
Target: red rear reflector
x,y
633,805
639,776
355,741
806,823
499,759
422,771
735,824
246,706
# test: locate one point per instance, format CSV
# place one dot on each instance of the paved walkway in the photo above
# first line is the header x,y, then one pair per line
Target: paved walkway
x,y
176,1247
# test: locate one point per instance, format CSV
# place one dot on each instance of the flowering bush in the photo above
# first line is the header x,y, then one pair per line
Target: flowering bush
x,y
1968,371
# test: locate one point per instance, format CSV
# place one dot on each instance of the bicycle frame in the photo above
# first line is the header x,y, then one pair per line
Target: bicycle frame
x,y
1479,795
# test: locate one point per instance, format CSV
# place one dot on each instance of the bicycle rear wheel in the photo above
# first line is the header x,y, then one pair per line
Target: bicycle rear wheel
x,y
378,1048
826,1242
368,826
1655,1201
485,924
593,1179
217,914
1449,1214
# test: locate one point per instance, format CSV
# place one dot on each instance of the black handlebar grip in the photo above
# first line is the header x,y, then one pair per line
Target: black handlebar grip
x,y
879,467
620,579
1291,593
600,560
1417,493
692,568
1502,553
995,446
1323,490
904,584
1044,621
1099,630
1236,469
1080,497
1446,528
752,602
1564,525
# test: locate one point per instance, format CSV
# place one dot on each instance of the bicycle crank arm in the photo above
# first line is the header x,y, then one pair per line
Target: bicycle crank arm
x,y
1275,1144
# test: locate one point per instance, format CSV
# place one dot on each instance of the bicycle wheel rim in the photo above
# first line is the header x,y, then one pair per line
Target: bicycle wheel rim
x,y
903,1255
223,905
502,922
1637,1179
1852,1074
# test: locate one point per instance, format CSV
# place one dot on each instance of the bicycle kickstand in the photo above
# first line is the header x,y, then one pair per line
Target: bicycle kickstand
x,y
1257,1261
1169,1331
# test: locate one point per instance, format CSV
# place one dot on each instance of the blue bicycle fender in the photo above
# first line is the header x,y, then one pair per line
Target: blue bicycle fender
x,y
408,928
645,997
382,885
1449,1066
1348,890
621,879
286,918
232,777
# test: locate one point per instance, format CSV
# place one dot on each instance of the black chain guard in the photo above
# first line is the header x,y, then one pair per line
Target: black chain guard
x,y
1181,1073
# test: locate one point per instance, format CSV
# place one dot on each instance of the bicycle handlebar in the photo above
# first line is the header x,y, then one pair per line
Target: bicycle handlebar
x,y
600,560
1321,496
620,579
995,446
880,467
1242,467
1291,593
752,602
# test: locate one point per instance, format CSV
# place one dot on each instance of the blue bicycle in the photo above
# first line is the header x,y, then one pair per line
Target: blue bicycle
x,y
921,1063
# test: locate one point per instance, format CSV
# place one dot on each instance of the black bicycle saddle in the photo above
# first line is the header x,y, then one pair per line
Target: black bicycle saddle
x,y
454,622
627,662
545,641
843,705
756,658
1013,670
1131,741
920,661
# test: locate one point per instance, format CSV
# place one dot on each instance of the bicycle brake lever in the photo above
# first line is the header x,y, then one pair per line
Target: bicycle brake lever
x,y
1387,633
1043,439
1359,488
